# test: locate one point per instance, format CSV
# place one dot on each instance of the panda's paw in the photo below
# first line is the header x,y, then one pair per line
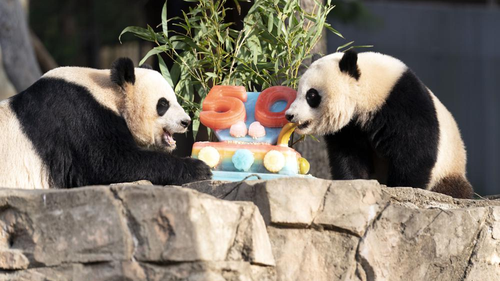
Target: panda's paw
x,y
196,170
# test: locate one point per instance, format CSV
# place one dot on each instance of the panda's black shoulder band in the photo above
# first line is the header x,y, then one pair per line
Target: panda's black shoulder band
x,y
122,71
349,64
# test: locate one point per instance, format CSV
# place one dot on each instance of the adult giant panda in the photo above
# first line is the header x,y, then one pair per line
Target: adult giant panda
x,y
81,126
380,121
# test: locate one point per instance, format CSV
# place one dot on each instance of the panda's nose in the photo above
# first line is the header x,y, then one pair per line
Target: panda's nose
x,y
185,123
289,117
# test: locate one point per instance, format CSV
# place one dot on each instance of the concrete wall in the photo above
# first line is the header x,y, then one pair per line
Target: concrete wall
x,y
455,50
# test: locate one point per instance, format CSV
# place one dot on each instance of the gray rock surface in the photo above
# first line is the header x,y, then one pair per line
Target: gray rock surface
x,y
53,227
130,232
181,225
429,244
485,257
310,229
360,230
305,254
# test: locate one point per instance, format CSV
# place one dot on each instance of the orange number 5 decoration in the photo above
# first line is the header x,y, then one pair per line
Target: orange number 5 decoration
x,y
267,98
224,107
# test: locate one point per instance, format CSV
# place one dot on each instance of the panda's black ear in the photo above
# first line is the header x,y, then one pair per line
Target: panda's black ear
x,y
349,64
122,71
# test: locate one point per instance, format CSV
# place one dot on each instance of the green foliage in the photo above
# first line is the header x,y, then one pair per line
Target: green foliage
x,y
277,36
346,47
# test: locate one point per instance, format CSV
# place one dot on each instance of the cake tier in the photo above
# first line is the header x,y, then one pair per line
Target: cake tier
x,y
248,157
271,133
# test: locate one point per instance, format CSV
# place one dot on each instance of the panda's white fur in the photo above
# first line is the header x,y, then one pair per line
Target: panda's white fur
x,y
22,167
452,157
81,126
352,98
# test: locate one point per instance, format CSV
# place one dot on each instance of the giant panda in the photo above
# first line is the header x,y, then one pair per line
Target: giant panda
x,y
82,126
380,121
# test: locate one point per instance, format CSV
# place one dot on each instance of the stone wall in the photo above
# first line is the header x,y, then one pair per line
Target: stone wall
x,y
288,229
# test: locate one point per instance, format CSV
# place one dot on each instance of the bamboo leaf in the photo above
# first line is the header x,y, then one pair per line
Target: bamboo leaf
x,y
238,6
314,138
140,32
187,21
363,46
152,33
164,71
343,46
196,126
164,21
327,26
211,74
175,73
360,46
270,23
152,52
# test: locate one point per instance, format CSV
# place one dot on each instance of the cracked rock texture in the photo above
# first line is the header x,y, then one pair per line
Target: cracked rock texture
x,y
127,232
287,229
359,230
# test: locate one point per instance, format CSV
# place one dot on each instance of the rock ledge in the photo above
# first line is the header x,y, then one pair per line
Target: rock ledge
x,y
287,229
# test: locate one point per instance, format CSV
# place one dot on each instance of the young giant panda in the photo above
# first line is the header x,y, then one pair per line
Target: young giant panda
x,y
81,126
380,121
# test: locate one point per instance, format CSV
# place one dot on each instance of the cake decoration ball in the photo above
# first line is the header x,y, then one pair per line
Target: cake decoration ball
x,y
274,161
256,130
238,130
304,166
210,156
291,166
243,159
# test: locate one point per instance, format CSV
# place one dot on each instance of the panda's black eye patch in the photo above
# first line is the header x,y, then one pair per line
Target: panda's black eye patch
x,y
313,98
162,106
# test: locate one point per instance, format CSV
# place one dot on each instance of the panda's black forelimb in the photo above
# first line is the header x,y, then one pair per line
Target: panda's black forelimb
x,y
349,153
83,143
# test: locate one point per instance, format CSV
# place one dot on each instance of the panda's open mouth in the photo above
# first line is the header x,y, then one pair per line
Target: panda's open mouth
x,y
168,138
304,125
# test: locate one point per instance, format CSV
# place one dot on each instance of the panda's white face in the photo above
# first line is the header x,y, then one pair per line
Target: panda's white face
x,y
152,112
326,98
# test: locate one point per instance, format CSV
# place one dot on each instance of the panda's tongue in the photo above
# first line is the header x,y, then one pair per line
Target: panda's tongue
x,y
169,139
